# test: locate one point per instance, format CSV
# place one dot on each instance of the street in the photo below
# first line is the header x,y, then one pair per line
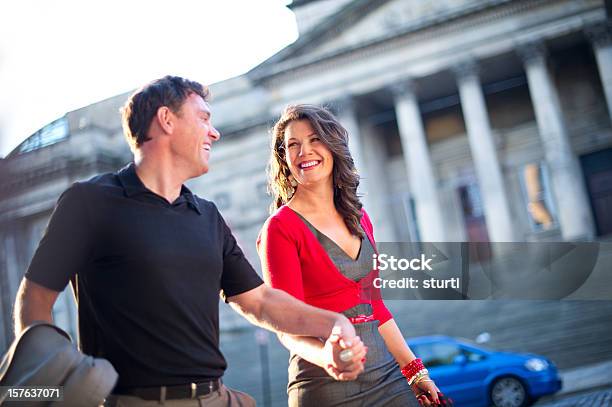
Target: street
x,y
597,398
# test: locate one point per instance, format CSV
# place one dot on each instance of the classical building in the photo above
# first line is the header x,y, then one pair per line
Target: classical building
x,y
469,120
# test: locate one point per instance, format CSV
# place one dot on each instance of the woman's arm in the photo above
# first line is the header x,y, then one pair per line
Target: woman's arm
x,y
425,391
395,343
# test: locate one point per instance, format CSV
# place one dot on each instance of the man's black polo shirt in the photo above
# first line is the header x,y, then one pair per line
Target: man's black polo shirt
x,y
149,276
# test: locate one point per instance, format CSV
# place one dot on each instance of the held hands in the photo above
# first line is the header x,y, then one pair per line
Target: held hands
x,y
428,394
344,355
424,389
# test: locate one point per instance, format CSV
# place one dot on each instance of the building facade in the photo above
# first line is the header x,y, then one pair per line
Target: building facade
x,y
469,120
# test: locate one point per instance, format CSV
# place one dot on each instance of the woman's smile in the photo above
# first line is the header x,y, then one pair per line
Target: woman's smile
x,y
309,165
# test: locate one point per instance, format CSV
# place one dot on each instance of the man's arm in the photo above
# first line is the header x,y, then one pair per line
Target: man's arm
x,y
33,303
64,249
299,326
278,311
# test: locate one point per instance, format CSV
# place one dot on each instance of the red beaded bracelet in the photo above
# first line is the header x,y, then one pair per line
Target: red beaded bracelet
x,y
413,368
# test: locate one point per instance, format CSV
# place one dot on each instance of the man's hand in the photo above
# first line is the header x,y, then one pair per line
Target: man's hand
x,y
342,368
343,330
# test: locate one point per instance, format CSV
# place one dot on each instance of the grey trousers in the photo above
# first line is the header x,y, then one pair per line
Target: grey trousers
x,y
224,397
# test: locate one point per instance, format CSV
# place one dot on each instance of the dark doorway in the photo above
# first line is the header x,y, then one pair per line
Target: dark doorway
x,y
473,213
597,170
475,223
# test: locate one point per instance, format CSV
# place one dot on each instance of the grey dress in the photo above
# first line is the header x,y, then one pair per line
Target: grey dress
x,y
381,384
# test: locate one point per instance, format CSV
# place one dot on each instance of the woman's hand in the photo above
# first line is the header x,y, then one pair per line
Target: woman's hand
x,y
428,394
348,367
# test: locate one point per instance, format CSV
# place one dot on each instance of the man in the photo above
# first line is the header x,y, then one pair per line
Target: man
x,y
151,259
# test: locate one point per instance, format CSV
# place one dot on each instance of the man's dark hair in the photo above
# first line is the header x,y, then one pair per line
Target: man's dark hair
x,y
142,106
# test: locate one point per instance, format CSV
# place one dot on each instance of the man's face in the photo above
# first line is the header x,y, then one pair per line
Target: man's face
x,y
194,134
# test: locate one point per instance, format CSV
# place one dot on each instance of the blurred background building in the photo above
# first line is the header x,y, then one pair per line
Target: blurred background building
x,y
470,120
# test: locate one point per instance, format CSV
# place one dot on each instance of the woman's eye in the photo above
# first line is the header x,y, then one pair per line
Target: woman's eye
x,y
291,145
314,139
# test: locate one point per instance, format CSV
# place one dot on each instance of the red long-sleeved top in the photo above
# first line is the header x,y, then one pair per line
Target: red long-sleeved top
x,y
293,260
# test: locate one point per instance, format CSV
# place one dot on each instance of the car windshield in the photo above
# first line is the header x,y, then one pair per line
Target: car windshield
x,y
437,353
473,343
442,353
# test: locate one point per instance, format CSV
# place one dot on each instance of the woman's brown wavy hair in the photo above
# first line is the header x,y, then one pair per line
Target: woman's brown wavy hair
x,y
344,173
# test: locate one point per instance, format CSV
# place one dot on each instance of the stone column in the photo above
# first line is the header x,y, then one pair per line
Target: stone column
x,y
379,208
423,184
567,181
484,153
346,114
601,37
8,264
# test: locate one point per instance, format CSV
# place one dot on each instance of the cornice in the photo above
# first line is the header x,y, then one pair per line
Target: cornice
x,y
403,87
436,27
328,28
236,130
299,3
532,51
600,34
15,183
466,68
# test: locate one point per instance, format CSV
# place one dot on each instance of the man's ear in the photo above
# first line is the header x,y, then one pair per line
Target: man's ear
x,y
165,119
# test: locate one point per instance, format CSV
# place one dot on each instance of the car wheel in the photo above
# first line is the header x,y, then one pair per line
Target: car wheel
x,y
509,392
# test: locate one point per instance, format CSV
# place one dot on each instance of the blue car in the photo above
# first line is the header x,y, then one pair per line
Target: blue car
x,y
475,377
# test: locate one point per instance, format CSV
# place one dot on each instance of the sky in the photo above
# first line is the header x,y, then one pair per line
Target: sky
x,y
60,55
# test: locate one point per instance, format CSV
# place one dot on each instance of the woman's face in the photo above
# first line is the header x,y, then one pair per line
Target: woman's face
x,y
308,158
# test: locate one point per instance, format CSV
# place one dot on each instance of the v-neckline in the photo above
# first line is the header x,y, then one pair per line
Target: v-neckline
x,y
329,238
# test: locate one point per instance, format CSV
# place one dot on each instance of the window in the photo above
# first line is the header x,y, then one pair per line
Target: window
x,y
471,201
473,356
537,195
474,217
437,354
52,133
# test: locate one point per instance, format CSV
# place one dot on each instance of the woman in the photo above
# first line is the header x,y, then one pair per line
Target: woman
x,y
318,246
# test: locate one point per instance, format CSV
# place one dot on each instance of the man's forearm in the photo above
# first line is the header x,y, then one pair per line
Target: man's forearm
x,y
26,315
280,312
307,347
33,303
295,317
289,315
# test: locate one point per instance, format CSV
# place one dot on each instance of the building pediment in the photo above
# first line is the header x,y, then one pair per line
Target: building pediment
x,y
361,23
